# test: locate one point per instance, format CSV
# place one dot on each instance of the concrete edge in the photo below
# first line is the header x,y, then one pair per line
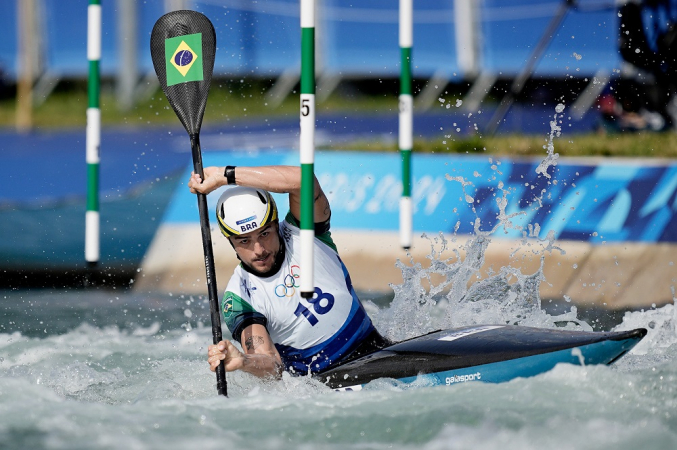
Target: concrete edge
x,y
615,276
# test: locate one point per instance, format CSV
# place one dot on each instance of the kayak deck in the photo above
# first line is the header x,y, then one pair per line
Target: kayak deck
x,y
489,353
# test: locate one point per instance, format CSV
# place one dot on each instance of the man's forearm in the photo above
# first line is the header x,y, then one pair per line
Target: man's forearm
x,y
262,366
280,179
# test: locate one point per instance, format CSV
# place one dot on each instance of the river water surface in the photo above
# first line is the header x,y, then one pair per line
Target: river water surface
x,y
107,369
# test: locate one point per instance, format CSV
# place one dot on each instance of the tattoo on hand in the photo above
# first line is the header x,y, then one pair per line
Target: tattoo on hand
x,y
253,341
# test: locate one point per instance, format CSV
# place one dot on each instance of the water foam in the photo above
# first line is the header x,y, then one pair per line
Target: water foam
x,y
661,326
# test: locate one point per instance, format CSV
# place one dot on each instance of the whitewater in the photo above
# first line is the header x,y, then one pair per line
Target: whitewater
x,y
118,369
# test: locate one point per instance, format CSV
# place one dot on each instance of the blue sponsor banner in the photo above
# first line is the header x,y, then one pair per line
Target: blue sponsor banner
x,y
611,201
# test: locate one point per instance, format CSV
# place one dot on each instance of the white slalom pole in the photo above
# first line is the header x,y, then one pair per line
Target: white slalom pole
x,y
307,146
406,119
93,134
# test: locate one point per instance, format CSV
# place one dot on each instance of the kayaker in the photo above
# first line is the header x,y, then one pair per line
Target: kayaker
x,y
262,306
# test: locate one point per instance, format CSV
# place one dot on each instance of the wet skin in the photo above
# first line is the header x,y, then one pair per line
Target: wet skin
x,y
258,248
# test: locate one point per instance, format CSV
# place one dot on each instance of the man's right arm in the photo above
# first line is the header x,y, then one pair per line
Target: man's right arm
x,y
279,179
260,357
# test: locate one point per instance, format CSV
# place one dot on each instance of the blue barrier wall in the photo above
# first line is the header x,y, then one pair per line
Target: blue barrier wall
x,y
354,38
611,201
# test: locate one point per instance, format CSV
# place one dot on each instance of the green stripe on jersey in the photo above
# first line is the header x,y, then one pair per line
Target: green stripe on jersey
x,y
232,305
324,237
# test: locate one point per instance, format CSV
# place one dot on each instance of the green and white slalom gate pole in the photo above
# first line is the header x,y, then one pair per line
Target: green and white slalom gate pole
x,y
93,136
307,145
406,131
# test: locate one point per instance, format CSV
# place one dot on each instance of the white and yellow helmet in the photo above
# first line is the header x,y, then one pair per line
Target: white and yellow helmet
x,y
241,210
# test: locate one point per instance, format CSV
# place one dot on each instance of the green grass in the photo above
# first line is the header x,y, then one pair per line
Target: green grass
x,y
235,100
228,100
67,108
645,144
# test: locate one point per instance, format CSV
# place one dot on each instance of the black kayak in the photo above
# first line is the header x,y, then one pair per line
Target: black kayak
x,y
488,353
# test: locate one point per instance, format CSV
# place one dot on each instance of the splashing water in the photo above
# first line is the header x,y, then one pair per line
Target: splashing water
x,y
451,293
551,157
661,325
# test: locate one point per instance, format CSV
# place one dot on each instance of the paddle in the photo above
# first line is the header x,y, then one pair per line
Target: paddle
x,y
182,46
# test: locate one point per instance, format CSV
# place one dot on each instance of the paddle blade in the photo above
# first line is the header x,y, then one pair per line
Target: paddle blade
x,y
182,46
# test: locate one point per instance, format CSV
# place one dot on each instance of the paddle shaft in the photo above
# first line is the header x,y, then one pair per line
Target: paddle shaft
x,y
221,384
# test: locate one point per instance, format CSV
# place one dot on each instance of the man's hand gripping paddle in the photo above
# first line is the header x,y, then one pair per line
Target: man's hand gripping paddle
x,y
183,46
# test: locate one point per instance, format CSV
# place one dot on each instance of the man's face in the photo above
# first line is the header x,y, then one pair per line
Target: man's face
x,y
258,248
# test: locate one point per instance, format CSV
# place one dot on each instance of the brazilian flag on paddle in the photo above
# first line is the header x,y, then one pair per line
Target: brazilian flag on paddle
x,y
183,55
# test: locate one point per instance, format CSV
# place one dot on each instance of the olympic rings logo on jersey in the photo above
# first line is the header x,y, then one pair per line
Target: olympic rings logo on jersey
x,y
288,287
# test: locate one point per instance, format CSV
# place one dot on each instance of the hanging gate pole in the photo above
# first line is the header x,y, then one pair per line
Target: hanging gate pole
x,y
406,120
93,134
307,146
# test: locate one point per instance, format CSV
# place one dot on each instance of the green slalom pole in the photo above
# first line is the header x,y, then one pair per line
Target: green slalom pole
x,y
93,135
307,146
406,119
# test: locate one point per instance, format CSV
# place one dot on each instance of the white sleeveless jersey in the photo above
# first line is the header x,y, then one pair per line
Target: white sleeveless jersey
x,y
310,334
